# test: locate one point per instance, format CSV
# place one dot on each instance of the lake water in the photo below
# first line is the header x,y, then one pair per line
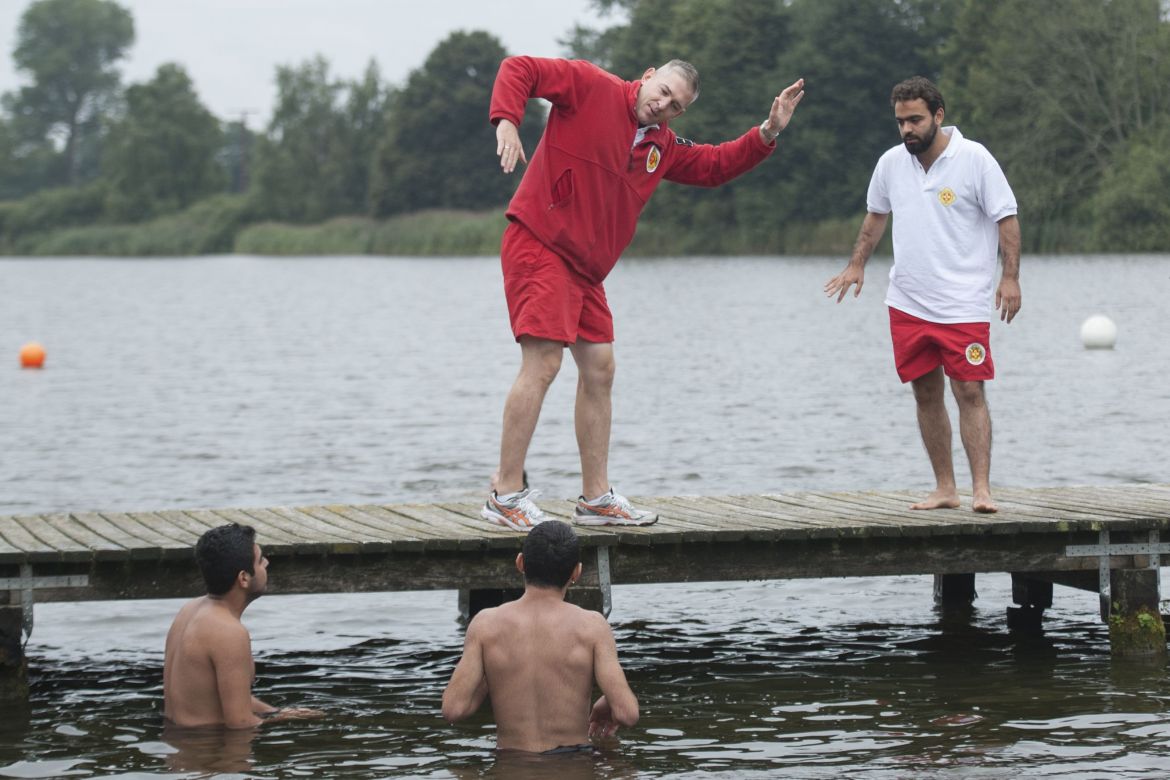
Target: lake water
x,y
239,381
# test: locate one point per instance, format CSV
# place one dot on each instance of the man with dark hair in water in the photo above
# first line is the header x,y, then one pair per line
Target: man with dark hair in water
x,y
537,658
208,668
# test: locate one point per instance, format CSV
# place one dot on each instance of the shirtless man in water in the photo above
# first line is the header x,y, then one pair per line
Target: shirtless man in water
x,y
537,658
208,671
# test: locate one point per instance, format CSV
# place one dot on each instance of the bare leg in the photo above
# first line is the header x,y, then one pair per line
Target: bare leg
x,y
935,426
975,430
594,412
540,360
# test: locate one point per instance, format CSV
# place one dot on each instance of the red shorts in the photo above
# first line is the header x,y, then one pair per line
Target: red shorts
x,y
963,349
546,298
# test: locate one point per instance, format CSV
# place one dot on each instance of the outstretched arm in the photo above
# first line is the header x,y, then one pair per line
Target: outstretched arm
x,y
468,687
1008,298
872,228
782,109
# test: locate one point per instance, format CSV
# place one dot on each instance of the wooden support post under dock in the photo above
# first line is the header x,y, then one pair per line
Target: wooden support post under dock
x,y
1103,538
13,664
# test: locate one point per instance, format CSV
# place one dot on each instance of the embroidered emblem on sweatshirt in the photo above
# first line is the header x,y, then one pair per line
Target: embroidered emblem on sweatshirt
x,y
946,196
652,159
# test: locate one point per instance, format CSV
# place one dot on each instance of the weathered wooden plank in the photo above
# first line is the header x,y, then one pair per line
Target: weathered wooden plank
x,y
372,540
174,542
68,549
17,537
339,539
884,511
9,553
1136,495
100,548
406,537
434,538
272,536
819,512
870,511
423,542
922,522
694,524
1089,503
707,516
471,532
135,546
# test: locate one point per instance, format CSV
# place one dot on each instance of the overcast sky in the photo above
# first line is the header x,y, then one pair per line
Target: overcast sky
x,y
231,47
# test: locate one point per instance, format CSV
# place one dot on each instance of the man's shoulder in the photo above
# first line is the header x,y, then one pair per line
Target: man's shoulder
x,y
894,155
893,161
587,619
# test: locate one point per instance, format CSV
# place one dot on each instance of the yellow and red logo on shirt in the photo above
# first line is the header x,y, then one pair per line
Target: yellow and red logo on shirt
x,y
652,159
946,196
976,354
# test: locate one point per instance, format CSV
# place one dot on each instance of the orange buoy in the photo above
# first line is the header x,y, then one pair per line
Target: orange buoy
x,y
32,355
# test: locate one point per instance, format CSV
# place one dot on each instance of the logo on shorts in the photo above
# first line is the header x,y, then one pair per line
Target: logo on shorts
x,y
652,159
976,354
946,196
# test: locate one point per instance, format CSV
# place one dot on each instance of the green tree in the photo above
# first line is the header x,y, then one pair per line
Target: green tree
x,y
735,45
25,165
69,49
1056,95
1132,206
439,148
851,53
314,160
364,120
161,155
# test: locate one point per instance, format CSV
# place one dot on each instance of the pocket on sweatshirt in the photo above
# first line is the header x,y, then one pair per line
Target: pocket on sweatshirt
x,y
562,189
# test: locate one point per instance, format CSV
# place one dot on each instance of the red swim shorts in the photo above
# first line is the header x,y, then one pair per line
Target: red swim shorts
x,y
546,298
963,349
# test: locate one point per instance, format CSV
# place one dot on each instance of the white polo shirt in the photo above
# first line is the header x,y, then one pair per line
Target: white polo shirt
x,y
946,240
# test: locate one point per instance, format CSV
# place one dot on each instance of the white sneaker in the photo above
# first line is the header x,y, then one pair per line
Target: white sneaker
x,y
611,509
514,510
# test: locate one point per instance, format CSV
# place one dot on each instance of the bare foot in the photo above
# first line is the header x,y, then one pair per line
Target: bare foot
x,y
939,499
981,502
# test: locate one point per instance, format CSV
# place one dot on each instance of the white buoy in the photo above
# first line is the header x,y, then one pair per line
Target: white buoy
x,y
1098,332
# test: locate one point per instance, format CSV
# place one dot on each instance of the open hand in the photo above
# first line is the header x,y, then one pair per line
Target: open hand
x,y
840,284
508,147
784,106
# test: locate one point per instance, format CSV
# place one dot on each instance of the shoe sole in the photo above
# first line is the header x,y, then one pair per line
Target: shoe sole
x,y
605,520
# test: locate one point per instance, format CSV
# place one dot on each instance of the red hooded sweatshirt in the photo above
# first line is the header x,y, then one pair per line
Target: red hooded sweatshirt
x,y
587,182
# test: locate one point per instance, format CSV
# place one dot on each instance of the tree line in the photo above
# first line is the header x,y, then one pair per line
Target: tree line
x,y
1072,97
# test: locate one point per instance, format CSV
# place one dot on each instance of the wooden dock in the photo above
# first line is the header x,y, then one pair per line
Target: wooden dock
x,y
336,548
1106,539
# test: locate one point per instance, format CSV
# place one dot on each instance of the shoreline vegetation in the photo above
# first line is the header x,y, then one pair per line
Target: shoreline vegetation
x,y
224,225
364,166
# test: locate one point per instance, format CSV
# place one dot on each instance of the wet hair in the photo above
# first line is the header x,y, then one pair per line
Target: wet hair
x,y
918,88
551,552
222,553
689,72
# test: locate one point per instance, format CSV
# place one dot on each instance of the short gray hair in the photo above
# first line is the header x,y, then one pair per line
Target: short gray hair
x,y
688,72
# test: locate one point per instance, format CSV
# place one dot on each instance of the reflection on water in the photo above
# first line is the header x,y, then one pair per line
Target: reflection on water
x,y
812,679
239,381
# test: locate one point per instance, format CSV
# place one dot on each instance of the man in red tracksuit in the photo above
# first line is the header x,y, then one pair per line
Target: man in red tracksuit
x,y
605,149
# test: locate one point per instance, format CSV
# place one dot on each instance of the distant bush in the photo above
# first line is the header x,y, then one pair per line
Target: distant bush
x,y
49,210
208,227
426,233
